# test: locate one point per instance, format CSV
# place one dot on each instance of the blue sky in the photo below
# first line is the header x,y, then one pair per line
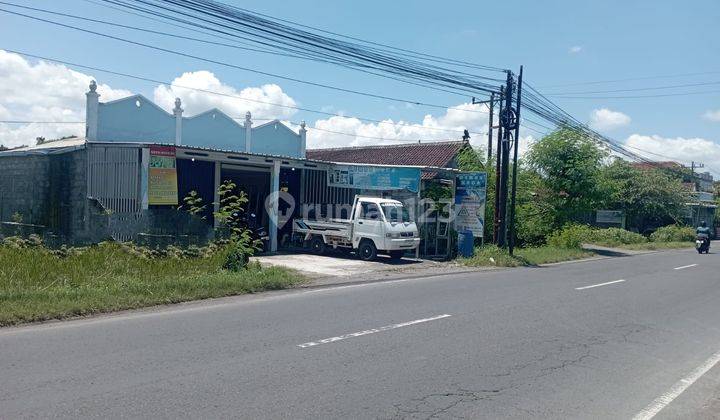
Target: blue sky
x,y
558,42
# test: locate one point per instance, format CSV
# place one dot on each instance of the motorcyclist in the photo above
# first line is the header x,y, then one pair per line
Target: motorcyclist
x,y
703,231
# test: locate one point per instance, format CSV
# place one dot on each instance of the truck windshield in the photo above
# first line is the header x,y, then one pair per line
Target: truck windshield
x,y
395,213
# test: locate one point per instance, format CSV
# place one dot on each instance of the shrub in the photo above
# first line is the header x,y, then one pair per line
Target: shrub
x,y
673,233
570,236
238,251
615,236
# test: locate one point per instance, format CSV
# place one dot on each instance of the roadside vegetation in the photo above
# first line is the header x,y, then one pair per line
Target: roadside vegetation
x,y
37,283
492,256
562,180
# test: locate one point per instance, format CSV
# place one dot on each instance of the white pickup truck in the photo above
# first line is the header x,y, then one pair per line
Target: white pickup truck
x,y
375,225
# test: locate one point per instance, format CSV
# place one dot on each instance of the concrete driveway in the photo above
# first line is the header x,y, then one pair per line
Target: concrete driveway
x,y
340,265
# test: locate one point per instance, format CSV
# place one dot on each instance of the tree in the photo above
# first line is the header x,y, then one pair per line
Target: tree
x,y
569,164
649,197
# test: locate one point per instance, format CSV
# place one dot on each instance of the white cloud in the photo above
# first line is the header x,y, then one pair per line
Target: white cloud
x,y
575,49
605,119
195,102
712,115
43,92
448,126
682,149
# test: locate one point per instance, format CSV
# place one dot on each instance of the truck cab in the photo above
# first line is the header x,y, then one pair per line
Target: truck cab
x,y
381,224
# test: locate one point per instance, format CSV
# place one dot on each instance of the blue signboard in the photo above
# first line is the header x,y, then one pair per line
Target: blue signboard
x,y
470,191
374,177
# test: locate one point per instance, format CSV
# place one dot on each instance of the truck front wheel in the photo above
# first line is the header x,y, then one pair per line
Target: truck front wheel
x,y
367,251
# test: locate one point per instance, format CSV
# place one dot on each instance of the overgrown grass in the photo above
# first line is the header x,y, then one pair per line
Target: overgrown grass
x,y
37,285
489,256
650,246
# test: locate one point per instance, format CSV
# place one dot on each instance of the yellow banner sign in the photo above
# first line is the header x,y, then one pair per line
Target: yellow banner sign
x,y
162,177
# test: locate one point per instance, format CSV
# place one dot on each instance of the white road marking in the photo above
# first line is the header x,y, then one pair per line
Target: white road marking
x,y
684,267
598,285
680,386
371,331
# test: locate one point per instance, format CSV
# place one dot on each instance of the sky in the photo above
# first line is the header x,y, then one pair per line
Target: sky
x,y
567,48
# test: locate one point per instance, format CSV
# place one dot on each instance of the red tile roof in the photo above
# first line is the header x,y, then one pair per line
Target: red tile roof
x,y
439,154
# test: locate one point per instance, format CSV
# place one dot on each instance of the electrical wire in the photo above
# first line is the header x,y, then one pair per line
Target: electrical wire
x,y
208,60
228,95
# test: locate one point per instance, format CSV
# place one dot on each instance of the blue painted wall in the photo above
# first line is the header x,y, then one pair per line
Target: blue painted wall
x,y
275,138
124,121
213,129
137,119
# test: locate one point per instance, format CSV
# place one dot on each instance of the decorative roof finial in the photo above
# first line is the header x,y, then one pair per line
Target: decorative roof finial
x,y
93,86
248,116
302,124
178,103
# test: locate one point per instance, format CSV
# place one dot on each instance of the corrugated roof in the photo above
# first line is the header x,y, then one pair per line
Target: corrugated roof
x,y
436,154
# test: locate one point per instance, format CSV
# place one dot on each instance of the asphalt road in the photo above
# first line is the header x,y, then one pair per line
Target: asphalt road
x,y
527,342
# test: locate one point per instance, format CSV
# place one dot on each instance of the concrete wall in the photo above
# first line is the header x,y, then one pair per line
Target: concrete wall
x,y
48,190
213,128
132,119
137,119
24,188
275,138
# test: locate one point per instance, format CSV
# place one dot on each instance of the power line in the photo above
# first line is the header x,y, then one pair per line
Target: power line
x,y
704,92
630,79
205,91
222,44
223,18
292,79
633,89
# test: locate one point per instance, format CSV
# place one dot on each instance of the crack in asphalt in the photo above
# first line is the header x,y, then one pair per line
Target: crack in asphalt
x,y
564,355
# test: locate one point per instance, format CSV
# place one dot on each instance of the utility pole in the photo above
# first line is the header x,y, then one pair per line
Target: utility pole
x,y
511,246
506,117
490,126
496,213
489,103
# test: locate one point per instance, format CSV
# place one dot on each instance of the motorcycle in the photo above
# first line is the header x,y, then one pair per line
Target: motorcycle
x,y
702,244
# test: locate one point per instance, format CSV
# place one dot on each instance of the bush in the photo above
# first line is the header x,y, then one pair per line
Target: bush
x,y
615,236
570,236
673,233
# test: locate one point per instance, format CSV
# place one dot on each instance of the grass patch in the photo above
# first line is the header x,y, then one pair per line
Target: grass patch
x,y
489,256
650,246
37,285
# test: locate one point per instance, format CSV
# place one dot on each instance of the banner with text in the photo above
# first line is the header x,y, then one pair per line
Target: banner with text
x,y
470,190
374,177
162,177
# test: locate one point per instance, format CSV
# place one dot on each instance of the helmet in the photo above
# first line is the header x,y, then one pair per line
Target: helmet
x,y
703,224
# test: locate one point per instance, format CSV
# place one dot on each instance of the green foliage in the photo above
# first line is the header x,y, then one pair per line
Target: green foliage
x,y
574,235
31,241
231,207
193,205
648,197
492,256
38,284
569,163
238,252
570,236
673,233
615,237
470,159
16,217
